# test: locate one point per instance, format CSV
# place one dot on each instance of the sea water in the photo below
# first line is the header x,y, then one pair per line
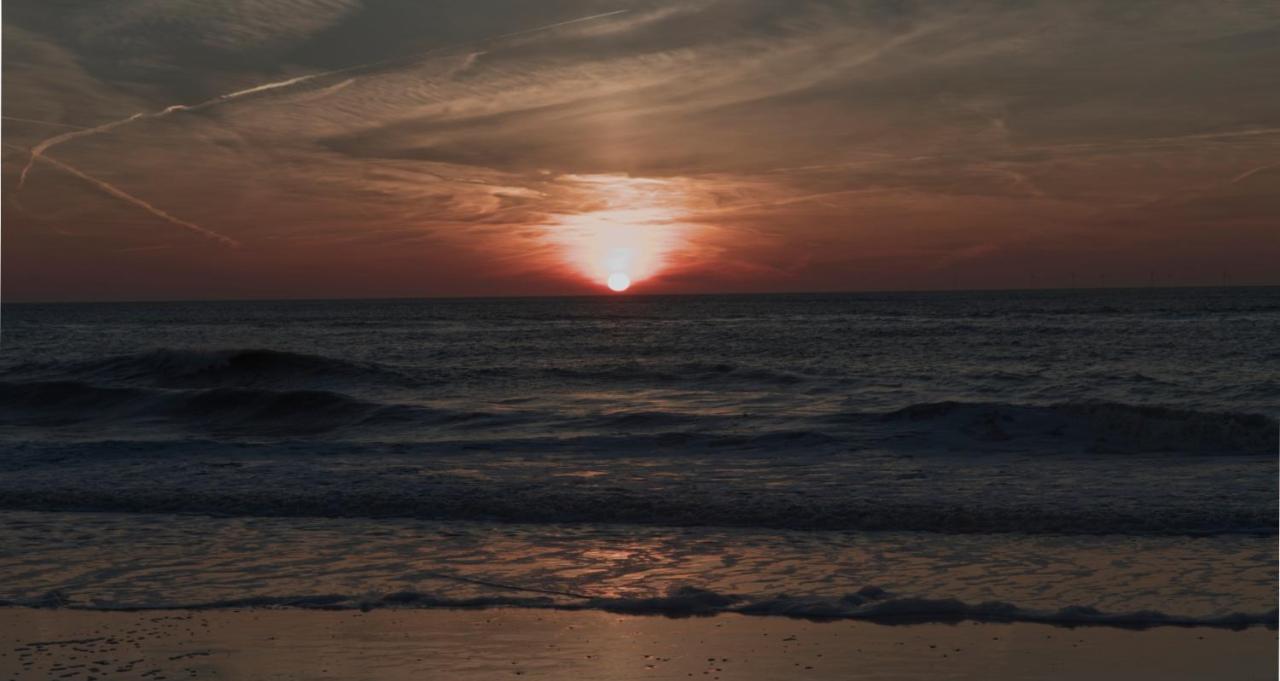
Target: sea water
x,y
1063,456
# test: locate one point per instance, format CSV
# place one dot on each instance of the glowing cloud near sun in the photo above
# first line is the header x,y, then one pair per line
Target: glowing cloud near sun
x,y
631,234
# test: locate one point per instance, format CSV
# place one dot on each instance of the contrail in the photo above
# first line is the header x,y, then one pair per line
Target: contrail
x,y
1250,173
130,198
324,92
39,150
18,204
548,27
39,122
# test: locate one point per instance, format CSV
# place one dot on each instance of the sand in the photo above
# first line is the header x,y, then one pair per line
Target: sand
x,y
535,644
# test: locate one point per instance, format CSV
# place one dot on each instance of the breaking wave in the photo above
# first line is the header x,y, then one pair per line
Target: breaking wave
x,y
870,603
228,411
274,392
270,393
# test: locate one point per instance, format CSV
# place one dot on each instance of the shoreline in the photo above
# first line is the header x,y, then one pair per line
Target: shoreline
x,y
693,603
84,645
86,563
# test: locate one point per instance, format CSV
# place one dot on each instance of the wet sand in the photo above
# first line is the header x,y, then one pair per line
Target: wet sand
x,y
515,643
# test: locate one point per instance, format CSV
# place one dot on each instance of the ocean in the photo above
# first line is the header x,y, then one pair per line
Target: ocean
x,y
1071,457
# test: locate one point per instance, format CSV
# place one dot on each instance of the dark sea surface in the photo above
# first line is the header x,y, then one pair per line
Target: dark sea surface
x,y
1062,456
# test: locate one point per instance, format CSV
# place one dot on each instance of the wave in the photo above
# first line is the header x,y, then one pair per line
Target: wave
x,y
213,369
871,604
197,487
968,427
253,367
684,372
1098,427
226,411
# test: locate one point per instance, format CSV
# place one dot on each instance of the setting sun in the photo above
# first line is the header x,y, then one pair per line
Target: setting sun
x,y
629,234
592,338
619,281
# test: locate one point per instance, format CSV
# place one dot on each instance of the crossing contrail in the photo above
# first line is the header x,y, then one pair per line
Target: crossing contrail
x,y
38,151
121,194
40,148
130,198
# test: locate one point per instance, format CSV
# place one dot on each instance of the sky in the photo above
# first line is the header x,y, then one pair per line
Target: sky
x,y
179,149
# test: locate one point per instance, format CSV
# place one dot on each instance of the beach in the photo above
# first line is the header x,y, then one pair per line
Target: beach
x,y
586,339
518,643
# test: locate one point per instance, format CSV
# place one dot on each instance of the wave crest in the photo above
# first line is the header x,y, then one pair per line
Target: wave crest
x,y
212,369
1100,427
236,411
868,604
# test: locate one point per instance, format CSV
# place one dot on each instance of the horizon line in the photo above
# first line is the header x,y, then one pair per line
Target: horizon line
x,y
623,296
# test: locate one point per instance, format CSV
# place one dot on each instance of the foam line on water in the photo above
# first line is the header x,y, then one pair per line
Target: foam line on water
x,y
870,604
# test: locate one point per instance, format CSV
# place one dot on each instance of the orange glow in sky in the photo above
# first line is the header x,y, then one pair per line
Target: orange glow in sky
x,y
630,237
420,149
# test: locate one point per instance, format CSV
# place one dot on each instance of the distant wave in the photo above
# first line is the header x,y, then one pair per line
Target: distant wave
x,y
233,394
294,491
868,604
227,411
211,369
1101,427
278,369
684,372
263,392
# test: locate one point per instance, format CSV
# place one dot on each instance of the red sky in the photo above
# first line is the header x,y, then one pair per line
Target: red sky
x,y
348,148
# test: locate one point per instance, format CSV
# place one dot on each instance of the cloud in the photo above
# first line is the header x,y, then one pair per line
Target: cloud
x,y
449,132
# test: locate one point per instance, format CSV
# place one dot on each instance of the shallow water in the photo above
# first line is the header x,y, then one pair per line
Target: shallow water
x,y
110,561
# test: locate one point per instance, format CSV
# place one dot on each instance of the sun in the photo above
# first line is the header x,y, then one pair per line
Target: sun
x,y
619,282
627,231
